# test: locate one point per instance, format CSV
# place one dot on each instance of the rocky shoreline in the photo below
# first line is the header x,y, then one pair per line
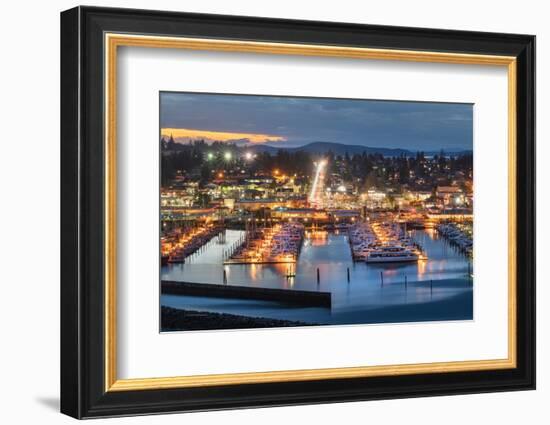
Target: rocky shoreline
x,y
173,319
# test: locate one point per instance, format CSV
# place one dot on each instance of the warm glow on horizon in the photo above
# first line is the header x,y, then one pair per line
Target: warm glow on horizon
x,y
188,133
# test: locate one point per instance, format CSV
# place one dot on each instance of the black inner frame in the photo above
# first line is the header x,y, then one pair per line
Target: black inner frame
x,y
82,212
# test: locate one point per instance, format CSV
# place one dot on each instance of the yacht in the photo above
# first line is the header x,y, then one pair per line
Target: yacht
x,y
391,254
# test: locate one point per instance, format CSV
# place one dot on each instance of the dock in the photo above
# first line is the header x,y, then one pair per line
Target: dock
x,y
279,244
288,296
259,262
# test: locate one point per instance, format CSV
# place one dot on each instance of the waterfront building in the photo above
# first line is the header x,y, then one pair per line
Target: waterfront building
x,y
176,197
447,194
257,204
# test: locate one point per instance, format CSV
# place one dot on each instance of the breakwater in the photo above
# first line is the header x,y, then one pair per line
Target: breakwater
x,y
287,296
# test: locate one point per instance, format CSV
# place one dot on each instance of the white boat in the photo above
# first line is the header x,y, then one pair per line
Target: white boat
x,y
391,254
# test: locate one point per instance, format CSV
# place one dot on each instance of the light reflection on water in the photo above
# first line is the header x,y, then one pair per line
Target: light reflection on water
x,y
436,289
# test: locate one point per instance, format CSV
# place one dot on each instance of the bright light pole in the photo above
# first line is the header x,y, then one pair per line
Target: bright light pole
x,y
227,156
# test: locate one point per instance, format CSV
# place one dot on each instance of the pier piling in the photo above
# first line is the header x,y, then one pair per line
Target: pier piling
x,y
224,277
405,281
348,274
381,279
318,276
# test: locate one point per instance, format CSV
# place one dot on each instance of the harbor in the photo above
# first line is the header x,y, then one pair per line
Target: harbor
x,y
437,287
270,231
338,259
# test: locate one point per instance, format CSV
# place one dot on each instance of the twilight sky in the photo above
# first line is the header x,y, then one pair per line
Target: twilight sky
x,y
295,121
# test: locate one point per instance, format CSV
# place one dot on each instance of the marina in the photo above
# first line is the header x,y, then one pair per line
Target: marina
x,y
436,288
459,235
383,242
269,231
179,244
279,244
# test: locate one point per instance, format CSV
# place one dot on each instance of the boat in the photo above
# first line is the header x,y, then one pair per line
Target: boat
x,y
391,254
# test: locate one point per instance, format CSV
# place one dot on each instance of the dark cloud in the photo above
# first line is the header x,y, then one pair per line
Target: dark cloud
x,y
409,125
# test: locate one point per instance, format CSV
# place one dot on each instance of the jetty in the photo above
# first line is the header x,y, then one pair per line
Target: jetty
x,y
279,244
287,296
459,235
178,245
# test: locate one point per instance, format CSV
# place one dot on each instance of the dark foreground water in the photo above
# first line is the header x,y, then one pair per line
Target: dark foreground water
x,y
437,289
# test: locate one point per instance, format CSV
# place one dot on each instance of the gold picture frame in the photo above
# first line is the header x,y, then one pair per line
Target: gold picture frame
x,y
91,40
114,41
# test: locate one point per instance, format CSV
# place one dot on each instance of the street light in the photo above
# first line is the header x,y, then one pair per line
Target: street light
x,y
227,156
210,155
248,156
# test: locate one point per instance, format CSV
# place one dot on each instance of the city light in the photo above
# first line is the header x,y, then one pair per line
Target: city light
x,y
318,182
331,197
227,207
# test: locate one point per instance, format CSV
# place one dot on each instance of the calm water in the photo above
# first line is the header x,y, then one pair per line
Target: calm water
x,y
437,289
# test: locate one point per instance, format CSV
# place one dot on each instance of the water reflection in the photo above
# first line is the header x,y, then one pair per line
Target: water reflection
x,y
434,289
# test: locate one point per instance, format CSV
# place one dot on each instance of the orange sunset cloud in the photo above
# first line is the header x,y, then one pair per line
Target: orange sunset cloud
x,y
222,136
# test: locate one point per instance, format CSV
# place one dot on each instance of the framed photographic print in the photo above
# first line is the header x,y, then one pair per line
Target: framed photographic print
x,y
261,212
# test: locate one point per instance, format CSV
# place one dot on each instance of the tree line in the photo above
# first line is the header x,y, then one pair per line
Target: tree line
x,y
200,160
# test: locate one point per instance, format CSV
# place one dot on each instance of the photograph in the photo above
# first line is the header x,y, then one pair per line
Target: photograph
x,y
284,211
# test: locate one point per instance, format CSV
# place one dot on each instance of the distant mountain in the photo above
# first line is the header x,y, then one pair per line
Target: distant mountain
x,y
323,148
450,152
336,148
